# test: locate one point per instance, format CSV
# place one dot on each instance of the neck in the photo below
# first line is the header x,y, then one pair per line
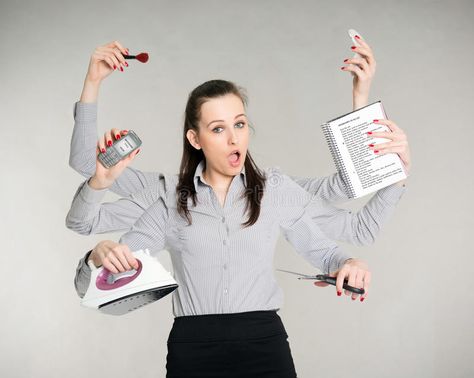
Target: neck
x,y
216,180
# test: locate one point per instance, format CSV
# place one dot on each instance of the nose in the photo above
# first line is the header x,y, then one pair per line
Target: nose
x,y
233,137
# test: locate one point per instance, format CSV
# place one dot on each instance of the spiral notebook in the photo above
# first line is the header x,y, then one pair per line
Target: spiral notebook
x,y
362,170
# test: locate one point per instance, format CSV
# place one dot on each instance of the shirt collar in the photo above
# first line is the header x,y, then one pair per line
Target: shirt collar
x,y
200,168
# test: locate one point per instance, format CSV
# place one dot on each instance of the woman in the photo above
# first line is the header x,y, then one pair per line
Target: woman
x,y
220,219
356,228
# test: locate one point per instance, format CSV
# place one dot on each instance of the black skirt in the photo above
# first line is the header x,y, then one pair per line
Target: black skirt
x,y
245,344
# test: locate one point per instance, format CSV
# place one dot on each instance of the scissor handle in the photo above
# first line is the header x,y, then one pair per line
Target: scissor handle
x,y
332,281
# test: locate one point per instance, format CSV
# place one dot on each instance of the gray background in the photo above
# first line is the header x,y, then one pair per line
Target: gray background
x,y
418,318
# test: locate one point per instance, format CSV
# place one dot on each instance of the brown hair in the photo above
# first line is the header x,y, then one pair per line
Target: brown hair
x,y
192,157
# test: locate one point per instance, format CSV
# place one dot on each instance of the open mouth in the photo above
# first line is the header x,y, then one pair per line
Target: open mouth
x,y
234,158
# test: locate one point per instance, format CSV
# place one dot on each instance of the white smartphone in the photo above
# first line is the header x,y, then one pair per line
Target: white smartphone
x,y
352,34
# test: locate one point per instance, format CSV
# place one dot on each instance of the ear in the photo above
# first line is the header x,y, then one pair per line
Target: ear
x,y
193,139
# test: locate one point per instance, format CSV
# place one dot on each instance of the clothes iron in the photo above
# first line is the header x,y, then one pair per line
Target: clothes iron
x,y
121,293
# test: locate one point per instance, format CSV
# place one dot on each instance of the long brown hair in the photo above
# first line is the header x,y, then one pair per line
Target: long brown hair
x,y
192,157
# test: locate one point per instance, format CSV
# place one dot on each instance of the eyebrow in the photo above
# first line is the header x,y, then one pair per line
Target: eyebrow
x,y
221,120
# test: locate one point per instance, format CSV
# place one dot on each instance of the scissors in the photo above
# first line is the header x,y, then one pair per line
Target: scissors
x,y
326,278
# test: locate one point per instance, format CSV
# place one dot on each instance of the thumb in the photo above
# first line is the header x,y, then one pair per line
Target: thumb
x,y
321,283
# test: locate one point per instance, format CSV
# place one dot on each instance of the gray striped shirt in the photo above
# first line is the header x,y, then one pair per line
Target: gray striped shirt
x,y
230,268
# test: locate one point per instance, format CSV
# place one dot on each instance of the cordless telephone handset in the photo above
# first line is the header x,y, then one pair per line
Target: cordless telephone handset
x,y
120,149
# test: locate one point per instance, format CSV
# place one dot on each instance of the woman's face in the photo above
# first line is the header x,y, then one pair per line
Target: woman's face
x,y
223,129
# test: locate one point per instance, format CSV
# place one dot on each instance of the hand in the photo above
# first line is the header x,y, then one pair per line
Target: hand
x,y
358,275
113,256
399,143
363,71
104,177
106,59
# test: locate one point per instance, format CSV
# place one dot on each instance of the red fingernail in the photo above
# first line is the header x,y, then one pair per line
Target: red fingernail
x,y
376,120
117,136
102,150
369,132
371,145
126,64
339,293
353,47
115,67
345,60
362,299
342,68
353,298
121,68
109,143
357,37
376,151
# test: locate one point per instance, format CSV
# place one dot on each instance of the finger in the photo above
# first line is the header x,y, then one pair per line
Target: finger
x,y
340,280
384,134
359,282
106,58
119,253
116,133
352,279
107,54
118,55
107,264
132,261
321,283
359,62
391,125
100,146
397,150
366,280
365,53
115,262
380,146
123,50
362,42
124,132
108,138
357,71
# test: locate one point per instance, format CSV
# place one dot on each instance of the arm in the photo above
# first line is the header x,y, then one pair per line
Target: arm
x,y
149,231
88,215
300,230
82,156
360,228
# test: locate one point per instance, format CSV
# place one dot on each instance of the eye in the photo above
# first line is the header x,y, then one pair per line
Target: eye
x,y
214,130
241,123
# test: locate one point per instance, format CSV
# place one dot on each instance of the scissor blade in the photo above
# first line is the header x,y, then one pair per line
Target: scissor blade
x,y
288,271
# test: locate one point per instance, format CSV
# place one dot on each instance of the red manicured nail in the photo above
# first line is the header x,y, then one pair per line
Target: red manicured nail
x,y
342,68
376,120
115,67
369,132
345,60
117,136
357,37
371,145
102,150
353,47
121,68
339,293
138,151
353,298
376,151
362,299
126,64
109,143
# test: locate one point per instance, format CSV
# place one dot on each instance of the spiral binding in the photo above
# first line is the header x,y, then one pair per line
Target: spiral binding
x,y
336,154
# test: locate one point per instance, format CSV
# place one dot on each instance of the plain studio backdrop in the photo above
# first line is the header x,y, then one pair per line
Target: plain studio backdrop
x,y
418,318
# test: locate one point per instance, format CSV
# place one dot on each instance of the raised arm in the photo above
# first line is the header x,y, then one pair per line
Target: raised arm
x,y
84,136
